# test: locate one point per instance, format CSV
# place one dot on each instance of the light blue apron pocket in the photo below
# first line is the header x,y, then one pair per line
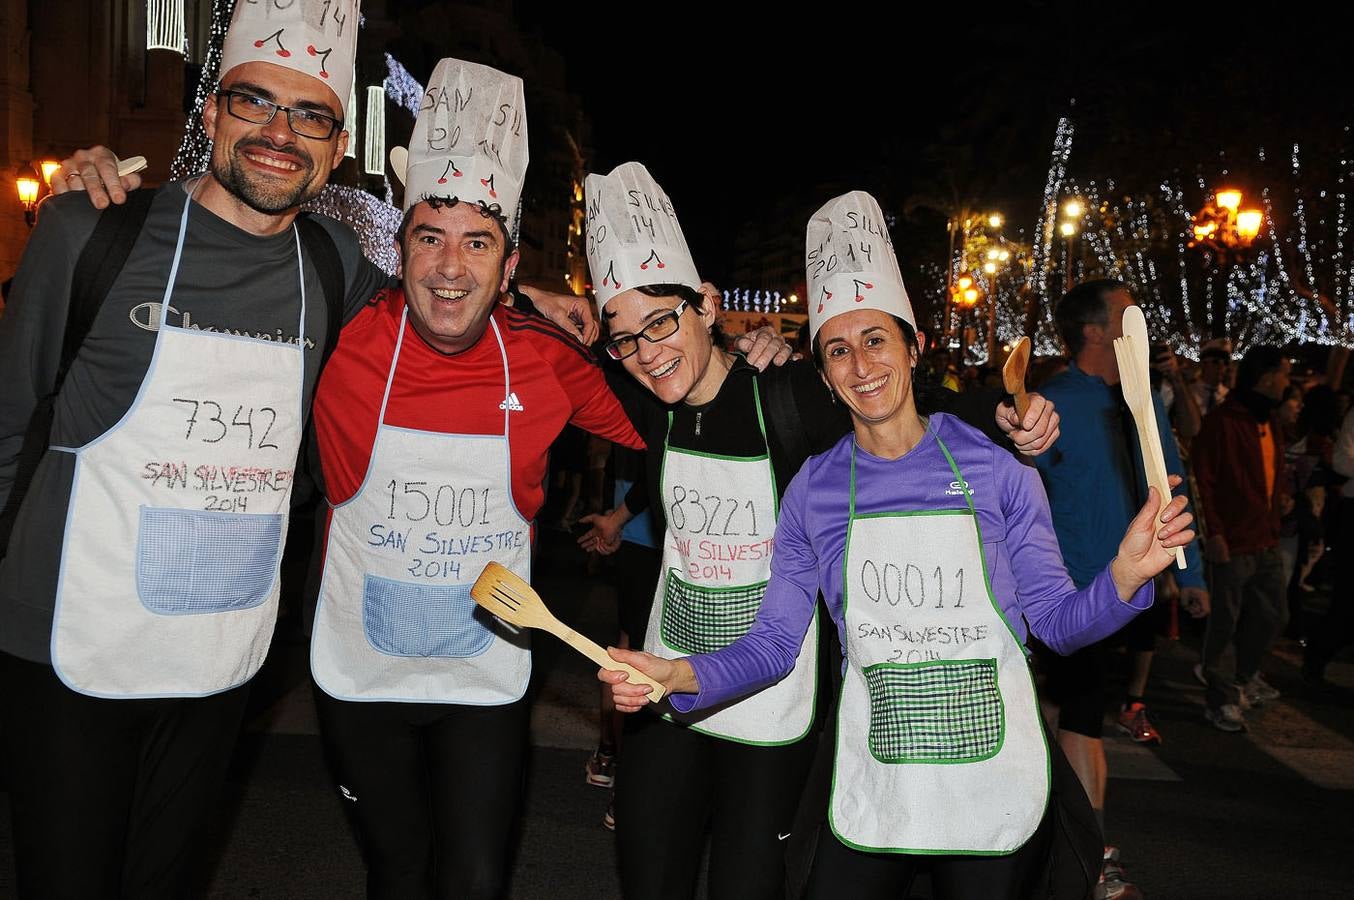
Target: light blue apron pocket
x,y
192,561
404,619
946,711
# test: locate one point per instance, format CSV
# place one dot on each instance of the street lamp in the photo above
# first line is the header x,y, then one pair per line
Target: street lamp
x,y
28,182
1226,230
1069,231
963,229
49,167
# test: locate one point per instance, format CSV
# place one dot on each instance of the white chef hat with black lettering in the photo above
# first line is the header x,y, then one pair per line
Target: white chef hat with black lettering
x,y
469,140
314,37
850,263
634,238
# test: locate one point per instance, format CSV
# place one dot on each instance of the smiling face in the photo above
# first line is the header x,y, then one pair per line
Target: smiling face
x,y
454,269
672,367
271,168
867,362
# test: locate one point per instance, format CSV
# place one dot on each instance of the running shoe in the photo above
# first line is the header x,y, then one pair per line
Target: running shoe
x,y
1114,883
1133,722
1258,691
609,817
1226,717
601,769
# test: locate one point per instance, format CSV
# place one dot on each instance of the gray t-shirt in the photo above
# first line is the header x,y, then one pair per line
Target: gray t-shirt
x,y
228,281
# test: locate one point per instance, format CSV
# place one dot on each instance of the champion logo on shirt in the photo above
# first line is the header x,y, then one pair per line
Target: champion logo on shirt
x,y
512,403
957,488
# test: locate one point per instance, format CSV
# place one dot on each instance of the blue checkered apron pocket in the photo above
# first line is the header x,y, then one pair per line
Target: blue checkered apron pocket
x,y
192,561
948,711
405,619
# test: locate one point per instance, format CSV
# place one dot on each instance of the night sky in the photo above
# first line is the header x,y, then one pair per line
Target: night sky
x,y
731,116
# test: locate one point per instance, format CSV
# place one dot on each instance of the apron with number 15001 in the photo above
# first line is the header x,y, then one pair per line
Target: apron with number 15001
x,y
396,620
721,517
169,568
939,745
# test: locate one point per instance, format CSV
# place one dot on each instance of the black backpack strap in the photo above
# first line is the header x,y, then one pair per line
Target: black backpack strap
x,y
98,266
784,421
323,258
328,266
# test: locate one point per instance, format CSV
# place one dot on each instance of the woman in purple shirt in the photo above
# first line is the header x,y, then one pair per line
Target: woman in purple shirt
x,y
913,528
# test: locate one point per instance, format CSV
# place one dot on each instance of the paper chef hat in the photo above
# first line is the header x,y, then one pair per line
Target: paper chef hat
x,y
469,141
315,37
634,238
850,261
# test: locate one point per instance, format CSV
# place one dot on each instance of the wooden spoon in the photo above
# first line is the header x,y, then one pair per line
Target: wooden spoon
x,y
1132,351
1013,375
509,597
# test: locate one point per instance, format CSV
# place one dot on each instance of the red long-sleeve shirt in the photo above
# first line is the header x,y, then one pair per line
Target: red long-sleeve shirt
x,y
554,378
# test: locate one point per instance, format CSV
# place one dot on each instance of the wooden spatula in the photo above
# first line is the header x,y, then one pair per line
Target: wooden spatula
x,y
1131,351
1013,375
509,597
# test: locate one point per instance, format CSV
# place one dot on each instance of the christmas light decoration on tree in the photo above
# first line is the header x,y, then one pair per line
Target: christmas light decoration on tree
x,y
402,88
195,148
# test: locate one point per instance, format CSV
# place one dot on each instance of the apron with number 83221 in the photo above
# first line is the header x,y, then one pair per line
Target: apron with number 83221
x,y
721,518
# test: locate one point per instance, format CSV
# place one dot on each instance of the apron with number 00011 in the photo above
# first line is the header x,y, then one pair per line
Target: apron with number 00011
x,y
396,620
169,568
945,754
715,571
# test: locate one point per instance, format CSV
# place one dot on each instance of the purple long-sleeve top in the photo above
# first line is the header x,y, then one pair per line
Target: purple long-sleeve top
x,y
1029,580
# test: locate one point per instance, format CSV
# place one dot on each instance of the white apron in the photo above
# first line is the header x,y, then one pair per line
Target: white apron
x,y
721,517
939,744
168,584
395,620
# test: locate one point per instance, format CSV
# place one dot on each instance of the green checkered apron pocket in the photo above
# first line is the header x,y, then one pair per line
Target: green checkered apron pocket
x,y
948,711
701,619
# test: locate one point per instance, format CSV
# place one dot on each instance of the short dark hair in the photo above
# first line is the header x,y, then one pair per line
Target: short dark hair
x,y
692,297
1258,362
1084,305
489,211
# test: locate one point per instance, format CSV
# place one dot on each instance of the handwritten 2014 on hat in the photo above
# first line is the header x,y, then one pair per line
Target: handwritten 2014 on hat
x,y
634,238
469,140
850,262
315,37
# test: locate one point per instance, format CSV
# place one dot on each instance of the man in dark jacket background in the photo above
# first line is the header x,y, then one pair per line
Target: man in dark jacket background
x,y
1237,461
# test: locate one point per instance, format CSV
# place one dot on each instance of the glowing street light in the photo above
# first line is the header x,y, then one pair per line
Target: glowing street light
x,y
1068,229
1248,223
1073,209
1229,199
28,183
994,220
1226,229
49,167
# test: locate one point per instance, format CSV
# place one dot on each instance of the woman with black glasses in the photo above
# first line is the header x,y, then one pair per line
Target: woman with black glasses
x,y
724,442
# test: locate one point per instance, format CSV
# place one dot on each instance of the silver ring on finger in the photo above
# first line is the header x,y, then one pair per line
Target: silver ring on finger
x,y
70,175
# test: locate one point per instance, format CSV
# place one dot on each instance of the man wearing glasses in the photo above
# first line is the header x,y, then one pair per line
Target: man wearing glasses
x,y
139,588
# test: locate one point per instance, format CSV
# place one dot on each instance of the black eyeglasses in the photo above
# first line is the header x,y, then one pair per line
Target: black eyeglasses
x,y
257,111
665,326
